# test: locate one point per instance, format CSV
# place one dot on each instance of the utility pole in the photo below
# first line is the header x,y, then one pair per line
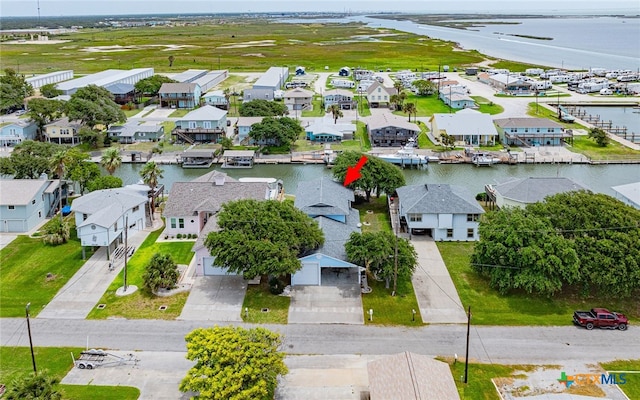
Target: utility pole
x,y
466,358
395,261
33,358
126,250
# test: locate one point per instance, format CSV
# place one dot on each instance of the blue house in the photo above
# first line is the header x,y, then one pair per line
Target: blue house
x,y
180,95
131,133
207,124
243,128
16,132
25,203
531,132
329,203
216,99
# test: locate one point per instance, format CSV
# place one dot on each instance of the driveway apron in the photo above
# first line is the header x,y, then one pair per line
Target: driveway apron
x,y
326,305
215,298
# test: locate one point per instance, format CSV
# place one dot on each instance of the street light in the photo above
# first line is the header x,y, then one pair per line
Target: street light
x,y
33,358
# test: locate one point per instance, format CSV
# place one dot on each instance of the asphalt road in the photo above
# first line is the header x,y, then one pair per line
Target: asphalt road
x,y
502,345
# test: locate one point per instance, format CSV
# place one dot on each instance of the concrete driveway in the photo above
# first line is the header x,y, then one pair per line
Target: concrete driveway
x,y
437,296
326,305
215,298
156,374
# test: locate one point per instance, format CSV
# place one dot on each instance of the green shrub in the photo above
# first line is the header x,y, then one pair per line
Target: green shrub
x,y
56,232
161,272
276,286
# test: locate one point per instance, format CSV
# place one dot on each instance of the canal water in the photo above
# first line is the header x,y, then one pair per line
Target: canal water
x,y
598,178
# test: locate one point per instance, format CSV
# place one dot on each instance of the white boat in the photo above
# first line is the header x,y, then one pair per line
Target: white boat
x,y
481,159
404,156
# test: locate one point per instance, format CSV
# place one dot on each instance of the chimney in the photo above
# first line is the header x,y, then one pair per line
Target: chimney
x,y
218,180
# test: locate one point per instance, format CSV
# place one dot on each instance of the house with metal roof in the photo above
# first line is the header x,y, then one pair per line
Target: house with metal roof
x,y
204,125
518,192
103,216
191,208
388,130
134,132
444,212
25,203
324,132
105,78
180,95
629,193
63,131
16,132
468,127
410,376
329,203
532,132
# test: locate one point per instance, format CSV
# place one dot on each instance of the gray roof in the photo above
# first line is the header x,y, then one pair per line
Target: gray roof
x,y
323,128
383,120
533,189
336,234
188,198
189,75
465,122
210,226
65,123
390,90
526,123
341,92
323,196
105,207
272,77
120,88
211,177
239,153
248,121
177,88
410,376
630,191
437,198
299,93
204,113
20,191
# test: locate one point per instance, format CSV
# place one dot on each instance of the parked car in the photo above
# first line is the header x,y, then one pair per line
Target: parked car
x,y
20,112
601,318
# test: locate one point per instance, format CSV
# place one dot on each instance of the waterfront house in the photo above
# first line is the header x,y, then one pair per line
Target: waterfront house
x,y
206,124
16,132
378,95
180,95
444,212
343,98
531,132
628,194
518,192
216,99
63,131
243,128
103,216
298,99
134,132
329,203
468,127
386,130
25,203
322,133
191,208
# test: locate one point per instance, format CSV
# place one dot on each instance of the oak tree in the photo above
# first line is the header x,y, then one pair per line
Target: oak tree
x,y
378,176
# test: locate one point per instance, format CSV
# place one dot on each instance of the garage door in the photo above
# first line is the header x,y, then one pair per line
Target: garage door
x,y
212,270
15,226
309,274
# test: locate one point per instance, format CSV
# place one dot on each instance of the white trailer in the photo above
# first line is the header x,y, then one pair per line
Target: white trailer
x,y
93,358
343,83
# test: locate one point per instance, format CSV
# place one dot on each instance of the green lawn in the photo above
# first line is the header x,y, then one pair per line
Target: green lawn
x,y
487,106
180,112
391,310
426,105
16,361
613,151
491,308
131,113
24,266
374,215
479,385
317,110
142,304
632,368
258,298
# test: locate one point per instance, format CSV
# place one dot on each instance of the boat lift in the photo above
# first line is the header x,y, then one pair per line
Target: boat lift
x,y
90,359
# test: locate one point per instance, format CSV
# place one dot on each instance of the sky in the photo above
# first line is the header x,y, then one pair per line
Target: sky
x,y
112,7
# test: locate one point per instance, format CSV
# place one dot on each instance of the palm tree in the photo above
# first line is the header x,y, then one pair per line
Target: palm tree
x,y
227,96
398,86
226,143
150,174
336,112
111,160
410,108
34,386
394,100
58,166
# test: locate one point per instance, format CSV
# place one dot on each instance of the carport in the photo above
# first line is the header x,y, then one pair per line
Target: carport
x,y
323,270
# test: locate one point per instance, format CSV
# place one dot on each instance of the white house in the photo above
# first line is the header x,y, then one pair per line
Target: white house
x,y
444,212
468,126
103,216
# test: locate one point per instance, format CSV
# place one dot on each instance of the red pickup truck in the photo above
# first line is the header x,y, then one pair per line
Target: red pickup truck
x,y
601,318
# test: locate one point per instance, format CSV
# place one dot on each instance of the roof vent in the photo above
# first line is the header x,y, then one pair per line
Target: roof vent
x,y
218,180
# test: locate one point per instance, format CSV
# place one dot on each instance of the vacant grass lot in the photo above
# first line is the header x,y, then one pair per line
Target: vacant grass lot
x,y
16,362
226,46
141,304
491,308
391,310
487,106
632,367
23,273
258,298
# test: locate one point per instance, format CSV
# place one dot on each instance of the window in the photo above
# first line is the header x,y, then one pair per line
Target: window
x,y
470,233
115,227
84,217
173,223
39,214
11,207
449,233
136,208
472,217
415,217
181,223
33,201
